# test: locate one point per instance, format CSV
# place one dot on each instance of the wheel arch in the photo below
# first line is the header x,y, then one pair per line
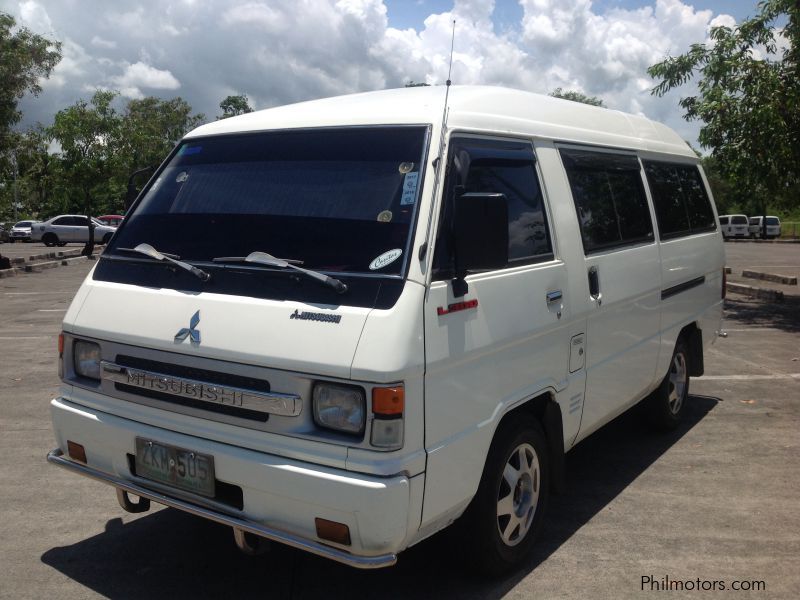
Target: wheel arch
x,y
544,409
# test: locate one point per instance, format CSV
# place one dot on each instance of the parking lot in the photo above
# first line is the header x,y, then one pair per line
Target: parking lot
x,y
714,501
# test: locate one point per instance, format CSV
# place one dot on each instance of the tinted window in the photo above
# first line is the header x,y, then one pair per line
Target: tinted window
x,y
773,221
609,198
739,220
335,199
63,221
498,167
723,220
681,202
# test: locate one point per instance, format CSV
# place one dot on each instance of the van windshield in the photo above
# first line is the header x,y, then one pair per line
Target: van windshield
x,y
739,220
773,221
335,199
341,201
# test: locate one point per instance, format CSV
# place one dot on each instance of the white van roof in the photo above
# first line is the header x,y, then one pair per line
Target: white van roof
x,y
476,108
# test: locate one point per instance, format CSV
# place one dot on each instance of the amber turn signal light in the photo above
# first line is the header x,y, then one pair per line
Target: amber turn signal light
x,y
388,401
60,345
333,531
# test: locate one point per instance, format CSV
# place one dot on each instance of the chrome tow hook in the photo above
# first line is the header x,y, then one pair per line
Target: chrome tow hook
x,y
143,505
249,543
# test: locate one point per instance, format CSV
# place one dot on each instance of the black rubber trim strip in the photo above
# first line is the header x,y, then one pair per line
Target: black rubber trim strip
x,y
682,287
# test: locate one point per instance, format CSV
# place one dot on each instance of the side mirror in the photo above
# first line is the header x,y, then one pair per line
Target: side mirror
x,y
480,235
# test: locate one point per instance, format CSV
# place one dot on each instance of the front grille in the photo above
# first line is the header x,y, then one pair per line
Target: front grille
x,y
184,372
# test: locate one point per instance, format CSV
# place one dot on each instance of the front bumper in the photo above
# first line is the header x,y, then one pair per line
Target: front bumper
x,y
281,497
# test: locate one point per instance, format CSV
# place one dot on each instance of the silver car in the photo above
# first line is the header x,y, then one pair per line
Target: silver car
x,y
64,229
21,232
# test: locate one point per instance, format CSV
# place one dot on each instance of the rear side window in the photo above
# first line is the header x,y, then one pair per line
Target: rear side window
x,y
505,167
681,202
609,199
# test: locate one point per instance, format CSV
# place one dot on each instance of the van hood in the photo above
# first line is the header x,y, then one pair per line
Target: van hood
x,y
287,335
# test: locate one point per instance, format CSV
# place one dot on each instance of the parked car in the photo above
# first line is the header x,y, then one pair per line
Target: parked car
x,y
111,220
734,226
434,357
773,227
63,229
4,236
21,231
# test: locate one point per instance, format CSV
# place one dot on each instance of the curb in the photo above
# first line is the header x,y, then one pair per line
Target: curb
x,y
39,267
755,292
21,260
770,277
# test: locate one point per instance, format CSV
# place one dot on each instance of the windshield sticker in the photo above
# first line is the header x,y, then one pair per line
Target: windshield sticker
x,y
188,150
409,188
385,259
385,216
182,176
406,167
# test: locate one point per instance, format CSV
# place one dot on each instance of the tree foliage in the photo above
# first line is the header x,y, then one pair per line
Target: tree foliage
x,y
25,58
233,106
577,97
748,93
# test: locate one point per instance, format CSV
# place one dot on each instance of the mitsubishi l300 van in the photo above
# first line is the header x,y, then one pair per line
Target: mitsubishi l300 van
x,y
352,322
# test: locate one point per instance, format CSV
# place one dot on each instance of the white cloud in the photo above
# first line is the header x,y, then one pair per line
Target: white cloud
x,y
140,75
281,51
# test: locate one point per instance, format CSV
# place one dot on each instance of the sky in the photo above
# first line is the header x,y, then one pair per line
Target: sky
x,y
283,51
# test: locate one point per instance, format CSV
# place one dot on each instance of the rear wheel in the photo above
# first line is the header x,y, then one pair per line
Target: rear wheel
x,y
50,239
667,405
506,514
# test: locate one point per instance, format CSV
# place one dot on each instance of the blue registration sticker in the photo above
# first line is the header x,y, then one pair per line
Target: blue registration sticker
x,y
409,188
188,150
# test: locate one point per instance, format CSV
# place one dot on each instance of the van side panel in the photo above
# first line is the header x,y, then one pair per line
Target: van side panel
x,y
692,274
510,347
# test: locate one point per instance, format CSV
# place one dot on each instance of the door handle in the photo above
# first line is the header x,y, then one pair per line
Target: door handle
x,y
594,284
554,296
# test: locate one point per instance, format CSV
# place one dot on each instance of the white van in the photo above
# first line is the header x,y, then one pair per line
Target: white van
x,y
773,227
342,325
734,226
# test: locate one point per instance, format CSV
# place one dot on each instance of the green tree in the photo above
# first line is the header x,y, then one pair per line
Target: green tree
x,y
748,93
25,58
89,133
233,106
577,97
151,127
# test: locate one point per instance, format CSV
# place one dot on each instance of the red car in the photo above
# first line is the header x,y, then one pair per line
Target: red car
x,y
112,220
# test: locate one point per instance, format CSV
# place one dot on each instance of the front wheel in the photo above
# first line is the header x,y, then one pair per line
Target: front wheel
x,y
667,404
506,514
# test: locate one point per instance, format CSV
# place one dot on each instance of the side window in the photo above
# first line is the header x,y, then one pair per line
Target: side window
x,y
63,221
681,202
82,221
723,220
609,199
497,167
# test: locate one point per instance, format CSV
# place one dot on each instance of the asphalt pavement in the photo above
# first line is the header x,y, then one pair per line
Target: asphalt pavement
x,y
712,503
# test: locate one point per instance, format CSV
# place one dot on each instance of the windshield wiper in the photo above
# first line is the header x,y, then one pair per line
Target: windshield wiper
x,y
148,250
262,258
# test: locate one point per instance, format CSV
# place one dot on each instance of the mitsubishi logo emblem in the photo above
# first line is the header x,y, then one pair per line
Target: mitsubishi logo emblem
x,y
190,331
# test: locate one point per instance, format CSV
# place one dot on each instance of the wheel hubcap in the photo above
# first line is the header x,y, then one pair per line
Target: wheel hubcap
x,y
518,495
677,382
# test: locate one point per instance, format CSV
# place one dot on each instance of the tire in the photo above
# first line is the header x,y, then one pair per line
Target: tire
x,y
667,404
106,239
50,239
502,522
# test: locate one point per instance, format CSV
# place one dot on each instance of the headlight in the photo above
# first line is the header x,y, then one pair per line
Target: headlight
x,y
339,407
86,359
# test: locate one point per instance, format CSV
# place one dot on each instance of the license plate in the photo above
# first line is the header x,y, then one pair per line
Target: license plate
x,y
176,467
